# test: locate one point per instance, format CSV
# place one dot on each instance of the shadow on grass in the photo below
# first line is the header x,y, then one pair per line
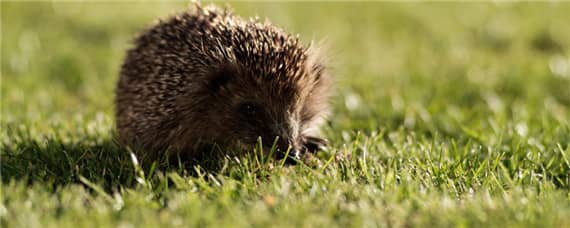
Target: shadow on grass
x,y
57,163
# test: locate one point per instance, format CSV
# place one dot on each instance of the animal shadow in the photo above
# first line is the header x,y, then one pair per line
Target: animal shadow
x,y
58,162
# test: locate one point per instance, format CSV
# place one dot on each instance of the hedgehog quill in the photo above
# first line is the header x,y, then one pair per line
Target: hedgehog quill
x,y
206,77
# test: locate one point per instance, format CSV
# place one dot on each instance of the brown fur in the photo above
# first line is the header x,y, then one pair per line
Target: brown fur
x,y
206,77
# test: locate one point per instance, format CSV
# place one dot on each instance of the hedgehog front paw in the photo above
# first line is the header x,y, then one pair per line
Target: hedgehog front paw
x,y
314,144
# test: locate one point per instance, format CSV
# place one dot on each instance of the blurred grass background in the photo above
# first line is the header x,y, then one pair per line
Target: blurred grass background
x,y
463,82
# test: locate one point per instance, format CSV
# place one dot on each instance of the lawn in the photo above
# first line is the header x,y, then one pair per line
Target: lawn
x,y
444,114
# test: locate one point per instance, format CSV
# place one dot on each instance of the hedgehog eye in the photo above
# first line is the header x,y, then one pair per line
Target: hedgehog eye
x,y
248,109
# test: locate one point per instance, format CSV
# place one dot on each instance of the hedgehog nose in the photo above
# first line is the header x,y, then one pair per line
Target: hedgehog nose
x,y
293,157
290,158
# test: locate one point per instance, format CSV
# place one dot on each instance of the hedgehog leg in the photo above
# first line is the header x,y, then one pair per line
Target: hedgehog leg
x,y
314,144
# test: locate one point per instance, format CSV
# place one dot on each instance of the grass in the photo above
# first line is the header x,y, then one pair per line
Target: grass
x,y
445,114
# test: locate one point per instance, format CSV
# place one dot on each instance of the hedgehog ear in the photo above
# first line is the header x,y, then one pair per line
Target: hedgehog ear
x,y
221,77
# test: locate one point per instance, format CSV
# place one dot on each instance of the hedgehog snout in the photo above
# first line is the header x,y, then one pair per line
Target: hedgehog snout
x,y
288,148
287,152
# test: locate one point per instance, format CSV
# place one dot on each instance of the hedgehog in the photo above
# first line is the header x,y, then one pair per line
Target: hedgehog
x,y
206,78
